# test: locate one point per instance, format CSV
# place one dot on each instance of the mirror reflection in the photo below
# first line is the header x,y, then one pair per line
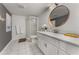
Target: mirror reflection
x,y
59,15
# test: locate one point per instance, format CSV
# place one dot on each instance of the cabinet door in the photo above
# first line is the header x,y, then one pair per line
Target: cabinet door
x,y
42,45
46,45
69,48
51,49
39,43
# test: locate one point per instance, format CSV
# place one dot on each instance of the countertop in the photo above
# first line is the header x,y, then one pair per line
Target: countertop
x,y
61,37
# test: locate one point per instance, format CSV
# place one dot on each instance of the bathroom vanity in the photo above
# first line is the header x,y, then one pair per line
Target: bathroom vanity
x,y
57,44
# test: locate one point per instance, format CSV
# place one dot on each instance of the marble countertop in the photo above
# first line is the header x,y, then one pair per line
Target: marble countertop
x,y
61,37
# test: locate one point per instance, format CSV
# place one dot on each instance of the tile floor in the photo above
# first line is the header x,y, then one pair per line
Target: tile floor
x,y
24,48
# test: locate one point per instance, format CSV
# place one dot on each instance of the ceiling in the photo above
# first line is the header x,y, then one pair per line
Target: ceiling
x,y
33,9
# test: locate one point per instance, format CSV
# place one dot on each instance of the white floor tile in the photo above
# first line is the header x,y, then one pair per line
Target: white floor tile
x,y
23,48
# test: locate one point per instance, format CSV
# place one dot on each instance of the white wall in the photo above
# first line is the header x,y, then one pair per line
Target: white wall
x,y
43,18
18,26
72,25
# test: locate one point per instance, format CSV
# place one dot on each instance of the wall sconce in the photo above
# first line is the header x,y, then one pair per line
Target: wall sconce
x,y
2,19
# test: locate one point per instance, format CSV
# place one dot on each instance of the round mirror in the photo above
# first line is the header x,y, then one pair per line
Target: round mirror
x,y
59,15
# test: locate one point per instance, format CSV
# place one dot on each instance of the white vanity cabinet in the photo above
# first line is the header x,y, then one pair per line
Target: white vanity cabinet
x,y
51,40
51,49
71,49
46,46
52,45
